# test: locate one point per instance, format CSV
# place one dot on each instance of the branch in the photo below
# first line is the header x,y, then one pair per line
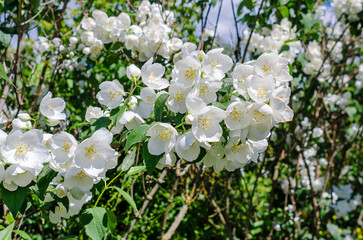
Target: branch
x,y
146,202
252,29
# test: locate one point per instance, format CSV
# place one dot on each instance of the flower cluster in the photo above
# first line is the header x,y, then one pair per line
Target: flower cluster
x,y
343,202
70,53
148,36
272,40
259,102
349,7
24,153
79,167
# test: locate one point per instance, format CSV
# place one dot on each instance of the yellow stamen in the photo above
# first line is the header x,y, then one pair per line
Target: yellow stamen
x,y
179,97
67,146
236,114
266,68
91,153
203,90
205,122
152,77
236,147
261,92
190,74
164,135
22,149
80,175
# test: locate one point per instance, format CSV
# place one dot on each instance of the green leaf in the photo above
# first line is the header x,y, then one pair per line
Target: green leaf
x,y
129,159
159,106
94,221
284,48
116,113
6,233
111,220
334,231
284,11
245,3
5,39
135,170
23,234
45,177
13,199
3,75
102,122
127,197
307,20
34,5
150,160
137,135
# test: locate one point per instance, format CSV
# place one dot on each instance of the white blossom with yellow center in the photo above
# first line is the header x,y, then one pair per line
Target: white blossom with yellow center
x,y
95,155
52,108
260,89
237,115
187,71
206,126
25,150
111,94
63,146
131,120
162,138
152,75
177,97
237,151
215,64
77,177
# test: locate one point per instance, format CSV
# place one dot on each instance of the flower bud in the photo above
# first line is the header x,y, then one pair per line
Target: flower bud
x,y
189,119
24,117
133,72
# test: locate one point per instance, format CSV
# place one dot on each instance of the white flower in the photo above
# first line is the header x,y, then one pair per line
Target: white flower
x,y
60,211
169,159
95,154
152,75
207,90
133,72
317,132
261,121
214,155
187,71
240,75
77,177
111,94
163,138
131,120
148,95
206,126
124,20
25,150
266,64
93,113
216,64
187,147
343,192
20,125
237,117
237,151
177,96
260,89
63,146
52,108
16,176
